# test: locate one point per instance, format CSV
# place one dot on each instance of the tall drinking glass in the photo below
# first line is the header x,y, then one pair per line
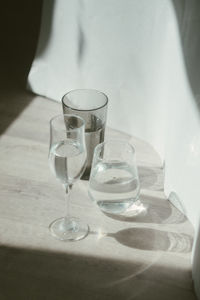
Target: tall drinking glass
x,y
91,105
67,160
114,183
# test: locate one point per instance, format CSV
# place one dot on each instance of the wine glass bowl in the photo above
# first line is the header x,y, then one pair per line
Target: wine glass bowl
x,y
67,160
114,183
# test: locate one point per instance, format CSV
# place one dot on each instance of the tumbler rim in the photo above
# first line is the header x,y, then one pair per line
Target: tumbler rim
x,y
92,109
116,141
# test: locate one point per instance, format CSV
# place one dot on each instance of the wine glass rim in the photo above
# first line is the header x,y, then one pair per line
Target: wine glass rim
x,y
121,141
68,115
92,109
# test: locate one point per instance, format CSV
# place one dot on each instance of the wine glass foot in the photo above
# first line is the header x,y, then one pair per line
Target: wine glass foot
x,y
68,230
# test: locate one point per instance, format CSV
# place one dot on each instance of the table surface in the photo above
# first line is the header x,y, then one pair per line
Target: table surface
x,y
123,257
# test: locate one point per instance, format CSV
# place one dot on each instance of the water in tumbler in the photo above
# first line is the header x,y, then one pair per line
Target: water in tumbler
x,y
114,186
67,160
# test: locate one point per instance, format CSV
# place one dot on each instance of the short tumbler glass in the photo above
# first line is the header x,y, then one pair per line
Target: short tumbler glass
x,y
91,106
114,183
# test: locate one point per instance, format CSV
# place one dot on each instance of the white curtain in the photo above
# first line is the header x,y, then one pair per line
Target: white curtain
x,y
145,56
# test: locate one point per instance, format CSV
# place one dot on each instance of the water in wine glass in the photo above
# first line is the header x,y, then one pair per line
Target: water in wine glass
x,y
67,160
114,186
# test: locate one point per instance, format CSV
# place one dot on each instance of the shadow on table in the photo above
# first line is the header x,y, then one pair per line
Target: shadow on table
x,y
151,210
153,240
150,178
41,274
12,103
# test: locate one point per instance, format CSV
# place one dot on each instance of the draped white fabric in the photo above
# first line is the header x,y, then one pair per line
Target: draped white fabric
x,y
145,56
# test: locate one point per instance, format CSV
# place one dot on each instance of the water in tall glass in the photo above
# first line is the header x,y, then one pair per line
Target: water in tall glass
x,y
93,136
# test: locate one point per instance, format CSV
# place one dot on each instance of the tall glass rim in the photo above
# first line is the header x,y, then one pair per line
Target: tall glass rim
x,y
115,141
67,115
92,109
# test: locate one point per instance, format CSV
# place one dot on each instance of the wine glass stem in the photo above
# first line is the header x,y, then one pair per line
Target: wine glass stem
x,y
68,189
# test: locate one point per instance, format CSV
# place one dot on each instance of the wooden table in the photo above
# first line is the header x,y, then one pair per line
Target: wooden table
x,y
147,256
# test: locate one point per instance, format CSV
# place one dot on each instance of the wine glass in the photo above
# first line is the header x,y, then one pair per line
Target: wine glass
x,y
67,160
114,183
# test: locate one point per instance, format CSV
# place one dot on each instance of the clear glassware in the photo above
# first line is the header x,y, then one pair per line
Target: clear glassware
x,y
114,183
91,105
67,160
